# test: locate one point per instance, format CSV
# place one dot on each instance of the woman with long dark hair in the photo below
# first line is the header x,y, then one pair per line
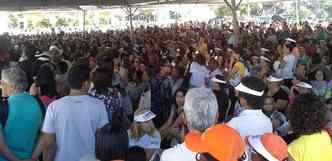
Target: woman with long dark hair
x,y
219,87
172,131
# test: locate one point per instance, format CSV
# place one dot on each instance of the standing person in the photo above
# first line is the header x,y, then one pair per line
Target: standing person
x,y
198,71
213,71
200,112
286,68
252,121
219,87
308,118
71,122
103,91
20,125
161,94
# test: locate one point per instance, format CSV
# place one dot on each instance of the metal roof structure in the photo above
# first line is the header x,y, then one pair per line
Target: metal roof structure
x,y
24,5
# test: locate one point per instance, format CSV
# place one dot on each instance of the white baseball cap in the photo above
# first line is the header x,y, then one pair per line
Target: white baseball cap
x,y
214,79
144,116
265,58
291,40
304,85
265,50
245,89
274,79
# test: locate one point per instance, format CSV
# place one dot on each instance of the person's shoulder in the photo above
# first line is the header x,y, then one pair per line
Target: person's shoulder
x,y
178,152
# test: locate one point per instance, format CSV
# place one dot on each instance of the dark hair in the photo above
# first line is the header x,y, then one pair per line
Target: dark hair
x,y
111,143
101,78
200,59
45,79
308,115
324,74
255,102
77,75
136,153
290,45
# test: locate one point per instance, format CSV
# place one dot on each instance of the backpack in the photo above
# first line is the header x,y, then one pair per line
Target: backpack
x,y
4,110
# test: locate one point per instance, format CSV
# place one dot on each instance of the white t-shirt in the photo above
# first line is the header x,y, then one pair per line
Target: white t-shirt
x,y
251,123
74,120
198,74
146,141
287,72
178,153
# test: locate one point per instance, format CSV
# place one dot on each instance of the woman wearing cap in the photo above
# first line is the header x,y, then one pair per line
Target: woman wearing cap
x,y
268,147
265,70
308,119
288,62
275,91
143,132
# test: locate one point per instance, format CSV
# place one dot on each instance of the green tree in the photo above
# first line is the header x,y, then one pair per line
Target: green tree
x,y
326,5
30,24
103,21
44,23
13,21
223,11
61,22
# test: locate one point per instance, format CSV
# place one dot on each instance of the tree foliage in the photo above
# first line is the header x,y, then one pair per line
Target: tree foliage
x,y
13,21
44,23
61,22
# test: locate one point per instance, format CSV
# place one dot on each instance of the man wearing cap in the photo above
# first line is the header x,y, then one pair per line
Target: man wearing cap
x,y
200,112
251,121
275,91
220,142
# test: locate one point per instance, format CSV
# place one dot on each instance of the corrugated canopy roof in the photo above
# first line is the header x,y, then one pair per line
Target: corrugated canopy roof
x,y
21,5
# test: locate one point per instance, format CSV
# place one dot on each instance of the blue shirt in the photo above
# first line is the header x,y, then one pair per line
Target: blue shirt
x,y
22,126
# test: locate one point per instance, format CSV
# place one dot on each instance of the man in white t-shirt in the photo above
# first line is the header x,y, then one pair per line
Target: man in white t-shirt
x,y
201,112
71,122
251,121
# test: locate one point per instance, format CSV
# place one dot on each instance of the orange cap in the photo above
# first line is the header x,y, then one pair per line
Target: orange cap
x,y
220,141
272,147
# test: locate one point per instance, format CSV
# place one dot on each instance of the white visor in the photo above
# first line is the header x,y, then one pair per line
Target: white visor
x,y
214,79
265,50
265,58
255,142
244,89
291,40
144,117
274,79
218,49
304,85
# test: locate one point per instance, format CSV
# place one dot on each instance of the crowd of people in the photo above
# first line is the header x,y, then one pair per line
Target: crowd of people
x,y
189,92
